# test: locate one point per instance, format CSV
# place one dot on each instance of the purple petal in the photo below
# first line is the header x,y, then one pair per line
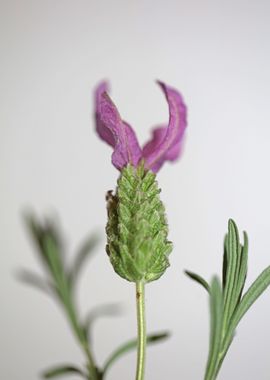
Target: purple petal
x,y
167,141
158,134
117,133
104,133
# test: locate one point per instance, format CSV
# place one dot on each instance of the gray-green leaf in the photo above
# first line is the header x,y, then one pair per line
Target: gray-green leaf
x,y
200,280
33,279
131,345
252,294
216,312
106,310
63,370
85,252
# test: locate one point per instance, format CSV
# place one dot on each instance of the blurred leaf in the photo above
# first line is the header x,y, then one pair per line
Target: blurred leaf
x,y
34,229
52,253
84,252
106,310
63,370
40,234
32,279
49,245
131,345
197,278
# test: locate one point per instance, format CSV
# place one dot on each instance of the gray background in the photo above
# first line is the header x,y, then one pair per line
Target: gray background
x,y
53,53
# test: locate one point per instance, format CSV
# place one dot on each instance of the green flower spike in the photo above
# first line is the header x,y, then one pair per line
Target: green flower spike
x,y
137,228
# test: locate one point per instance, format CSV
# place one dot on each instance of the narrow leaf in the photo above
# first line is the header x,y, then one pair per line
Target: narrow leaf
x,y
243,269
84,252
39,232
56,264
107,310
252,294
131,345
198,279
225,263
32,279
61,371
216,311
232,249
239,278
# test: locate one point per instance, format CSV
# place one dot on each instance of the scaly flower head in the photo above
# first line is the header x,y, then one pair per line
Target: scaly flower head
x,y
166,141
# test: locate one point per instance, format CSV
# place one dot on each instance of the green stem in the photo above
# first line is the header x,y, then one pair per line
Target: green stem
x,y
141,345
71,312
93,373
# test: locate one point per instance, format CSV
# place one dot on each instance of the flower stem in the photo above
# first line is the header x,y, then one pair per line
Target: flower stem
x,y
141,345
79,333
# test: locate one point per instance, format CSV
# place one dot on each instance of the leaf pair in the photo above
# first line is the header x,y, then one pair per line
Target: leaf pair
x,y
227,305
125,348
63,370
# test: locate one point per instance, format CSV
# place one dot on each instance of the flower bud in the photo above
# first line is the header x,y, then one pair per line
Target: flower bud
x,y
137,228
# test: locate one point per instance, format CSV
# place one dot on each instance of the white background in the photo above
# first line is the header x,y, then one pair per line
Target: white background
x,y
53,53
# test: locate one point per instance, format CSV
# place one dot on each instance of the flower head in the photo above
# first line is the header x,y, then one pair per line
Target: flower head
x,y
166,141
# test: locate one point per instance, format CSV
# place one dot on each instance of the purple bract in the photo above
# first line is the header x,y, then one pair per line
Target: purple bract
x,y
166,141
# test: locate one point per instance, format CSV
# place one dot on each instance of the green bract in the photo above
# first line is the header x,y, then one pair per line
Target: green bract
x,y
137,228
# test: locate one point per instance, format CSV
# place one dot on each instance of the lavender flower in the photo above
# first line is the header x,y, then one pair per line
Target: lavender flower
x,y
137,230
166,141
